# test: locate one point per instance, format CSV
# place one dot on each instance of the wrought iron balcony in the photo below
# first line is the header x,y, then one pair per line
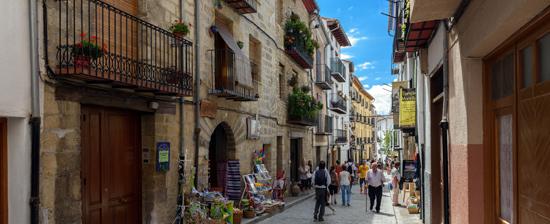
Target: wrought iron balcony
x,y
338,70
298,52
324,125
243,6
93,42
323,78
338,104
227,69
302,120
340,136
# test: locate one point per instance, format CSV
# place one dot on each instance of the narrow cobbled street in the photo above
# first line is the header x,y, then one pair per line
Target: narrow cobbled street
x,y
356,213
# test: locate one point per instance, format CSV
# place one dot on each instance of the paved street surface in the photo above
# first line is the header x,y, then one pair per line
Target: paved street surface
x,y
303,212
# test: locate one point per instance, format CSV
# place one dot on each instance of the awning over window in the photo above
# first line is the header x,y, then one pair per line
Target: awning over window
x,y
243,71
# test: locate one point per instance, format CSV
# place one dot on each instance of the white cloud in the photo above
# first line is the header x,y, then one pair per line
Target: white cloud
x,y
350,8
366,86
354,39
353,30
378,78
365,65
345,56
363,78
382,98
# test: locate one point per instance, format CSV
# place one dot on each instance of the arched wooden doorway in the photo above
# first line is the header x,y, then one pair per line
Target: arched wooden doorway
x,y
221,149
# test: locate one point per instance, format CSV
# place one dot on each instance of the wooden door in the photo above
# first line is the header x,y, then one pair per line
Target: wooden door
x,y
111,168
3,171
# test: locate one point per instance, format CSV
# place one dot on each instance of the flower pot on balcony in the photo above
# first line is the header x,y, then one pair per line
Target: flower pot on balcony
x,y
180,34
82,61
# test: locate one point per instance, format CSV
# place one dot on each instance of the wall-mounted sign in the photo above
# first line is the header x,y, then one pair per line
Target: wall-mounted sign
x,y
409,170
208,109
163,156
407,108
396,87
254,128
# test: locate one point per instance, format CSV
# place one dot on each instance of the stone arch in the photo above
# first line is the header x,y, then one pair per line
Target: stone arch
x,y
220,149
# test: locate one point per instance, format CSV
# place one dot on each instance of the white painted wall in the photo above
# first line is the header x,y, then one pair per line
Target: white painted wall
x,y
19,170
15,101
14,59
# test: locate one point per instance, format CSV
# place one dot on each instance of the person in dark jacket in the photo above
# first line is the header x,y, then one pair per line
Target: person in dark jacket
x,y
321,181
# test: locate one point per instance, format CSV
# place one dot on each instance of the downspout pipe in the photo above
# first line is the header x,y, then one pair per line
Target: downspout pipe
x,y
196,96
181,161
35,113
444,124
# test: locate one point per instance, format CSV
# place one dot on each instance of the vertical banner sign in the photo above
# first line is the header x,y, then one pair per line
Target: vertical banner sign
x,y
407,108
163,156
396,87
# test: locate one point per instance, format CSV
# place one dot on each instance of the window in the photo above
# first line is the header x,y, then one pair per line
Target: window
x,y
502,76
505,166
282,82
527,66
255,55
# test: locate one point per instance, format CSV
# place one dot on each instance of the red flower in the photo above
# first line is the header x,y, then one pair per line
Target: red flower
x,y
83,34
93,37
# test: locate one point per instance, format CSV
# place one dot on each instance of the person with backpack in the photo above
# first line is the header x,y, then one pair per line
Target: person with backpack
x,y
321,180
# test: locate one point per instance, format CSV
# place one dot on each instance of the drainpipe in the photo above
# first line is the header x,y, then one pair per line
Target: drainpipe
x,y
181,161
196,96
444,124
35,114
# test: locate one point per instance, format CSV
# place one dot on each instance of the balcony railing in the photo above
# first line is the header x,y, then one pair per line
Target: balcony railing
x,y
227,68
297,51
243,6
323,78
338,104
125,51
302,120
324,125
340,136
338,70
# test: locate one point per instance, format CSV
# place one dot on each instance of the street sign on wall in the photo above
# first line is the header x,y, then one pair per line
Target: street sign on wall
x,y
396,87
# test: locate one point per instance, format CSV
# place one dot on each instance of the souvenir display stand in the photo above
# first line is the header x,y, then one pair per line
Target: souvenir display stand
x,y
258,191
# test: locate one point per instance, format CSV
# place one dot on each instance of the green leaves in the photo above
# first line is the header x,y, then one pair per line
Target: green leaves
x,y
301,104
297,34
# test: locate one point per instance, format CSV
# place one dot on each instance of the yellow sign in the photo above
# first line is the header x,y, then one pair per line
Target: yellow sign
x,y
407,108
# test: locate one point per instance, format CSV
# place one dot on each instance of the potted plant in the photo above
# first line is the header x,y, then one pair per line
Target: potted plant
x,y
86,50
298,34
240,44
303,105
179,28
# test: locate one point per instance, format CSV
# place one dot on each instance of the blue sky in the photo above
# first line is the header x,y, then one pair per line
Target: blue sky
x,y
367,29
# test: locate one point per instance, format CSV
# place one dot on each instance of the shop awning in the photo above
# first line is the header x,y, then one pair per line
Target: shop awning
x,y
419,34
244,76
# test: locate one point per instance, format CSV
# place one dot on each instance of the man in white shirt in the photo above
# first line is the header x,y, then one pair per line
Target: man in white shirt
x,y
375,180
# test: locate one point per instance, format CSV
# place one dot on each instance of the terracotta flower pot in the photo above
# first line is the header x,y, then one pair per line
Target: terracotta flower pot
x,y
180,34
82,61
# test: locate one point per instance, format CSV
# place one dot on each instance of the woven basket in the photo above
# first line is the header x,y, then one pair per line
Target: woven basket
x,y
249,214
413,210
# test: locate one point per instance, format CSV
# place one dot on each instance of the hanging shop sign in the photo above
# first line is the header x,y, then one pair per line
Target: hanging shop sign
x,y
208,109
396,87
407,108
163,156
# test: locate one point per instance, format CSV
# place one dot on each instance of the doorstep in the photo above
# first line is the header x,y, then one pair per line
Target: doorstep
x,y
290,201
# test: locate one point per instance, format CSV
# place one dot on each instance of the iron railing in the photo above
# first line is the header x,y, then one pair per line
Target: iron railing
x,y
126,51
301,119
298,52
227,67
338,104
338,69
340,136
324,124
243,6
323,77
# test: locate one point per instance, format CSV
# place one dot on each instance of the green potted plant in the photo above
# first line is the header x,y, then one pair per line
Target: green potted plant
x,y
86,50
297,34
179,28
303,105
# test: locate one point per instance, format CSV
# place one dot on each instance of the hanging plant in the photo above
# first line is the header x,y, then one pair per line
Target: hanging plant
x,y
297,34
293,80
301,104
179,28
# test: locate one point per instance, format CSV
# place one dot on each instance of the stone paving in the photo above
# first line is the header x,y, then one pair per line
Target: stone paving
x,y
356,213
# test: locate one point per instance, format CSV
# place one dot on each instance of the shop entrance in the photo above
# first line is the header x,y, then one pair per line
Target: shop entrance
x,y
111,165
220,150
295,158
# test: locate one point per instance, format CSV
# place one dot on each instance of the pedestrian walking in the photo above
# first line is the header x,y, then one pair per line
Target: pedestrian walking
x,y
363,169
333,187
375,180
396,177
345,185
350,168
321,180
309,175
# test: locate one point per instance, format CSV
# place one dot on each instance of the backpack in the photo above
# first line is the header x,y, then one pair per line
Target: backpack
x,y
320,177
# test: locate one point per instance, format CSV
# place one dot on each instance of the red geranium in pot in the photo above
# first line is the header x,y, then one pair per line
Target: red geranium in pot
x,y
86,50
179,28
